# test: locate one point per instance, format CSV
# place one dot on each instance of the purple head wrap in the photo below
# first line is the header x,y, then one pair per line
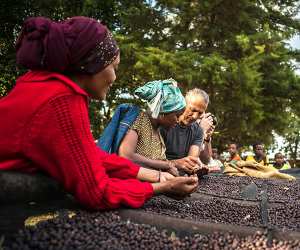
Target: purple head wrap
x,y
79,45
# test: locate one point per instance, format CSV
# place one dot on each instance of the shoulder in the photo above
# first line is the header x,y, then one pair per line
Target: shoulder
x,y
45,90
50,82
196,128
143,117
141,121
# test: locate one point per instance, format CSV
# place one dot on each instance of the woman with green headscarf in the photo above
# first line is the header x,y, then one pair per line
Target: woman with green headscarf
x,y
143,143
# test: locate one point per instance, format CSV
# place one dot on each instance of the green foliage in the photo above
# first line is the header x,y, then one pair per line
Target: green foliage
x,y
235,50
292,137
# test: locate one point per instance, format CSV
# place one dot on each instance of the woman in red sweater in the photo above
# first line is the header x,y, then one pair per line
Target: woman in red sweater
x,y
44,119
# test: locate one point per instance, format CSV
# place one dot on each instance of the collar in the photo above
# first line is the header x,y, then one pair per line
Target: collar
x,y
41,76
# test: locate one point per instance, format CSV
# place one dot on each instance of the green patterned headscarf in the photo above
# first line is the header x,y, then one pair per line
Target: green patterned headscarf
x,y
162,96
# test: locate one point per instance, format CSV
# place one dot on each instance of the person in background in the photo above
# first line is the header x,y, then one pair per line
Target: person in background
x,y
143,143
233,152
215,165
259,154
280,162
45,124
184,141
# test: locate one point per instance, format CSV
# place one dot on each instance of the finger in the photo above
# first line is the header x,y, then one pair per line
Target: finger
x,y
195,188
202,116
193,159
192,188
196,169
188,160
209,119
195,166
190,164
188,170
172,173
175,174
191,180
191,167
175,171
200,163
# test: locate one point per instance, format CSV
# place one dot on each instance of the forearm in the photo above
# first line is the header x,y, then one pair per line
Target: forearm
x,y
159,188
144,161
206,153
194,151
148,175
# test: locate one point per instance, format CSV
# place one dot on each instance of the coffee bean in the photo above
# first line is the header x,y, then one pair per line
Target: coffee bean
x,y
106,230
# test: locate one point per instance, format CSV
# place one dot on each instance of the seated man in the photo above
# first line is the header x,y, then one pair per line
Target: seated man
x,y
184,142
259,154
215,165
280,163
233,151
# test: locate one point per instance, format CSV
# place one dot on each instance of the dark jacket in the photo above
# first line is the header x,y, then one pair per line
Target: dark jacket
x,y
112,136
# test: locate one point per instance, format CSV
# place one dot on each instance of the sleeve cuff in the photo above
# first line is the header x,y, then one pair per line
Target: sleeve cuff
x,y
149,192
134,169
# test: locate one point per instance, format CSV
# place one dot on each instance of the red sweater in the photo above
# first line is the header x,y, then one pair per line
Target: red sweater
x,y
45,126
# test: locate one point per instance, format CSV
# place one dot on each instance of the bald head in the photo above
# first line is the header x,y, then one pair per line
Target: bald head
x,y
196,104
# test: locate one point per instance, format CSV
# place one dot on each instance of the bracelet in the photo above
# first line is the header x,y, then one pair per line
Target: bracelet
x,y
159,174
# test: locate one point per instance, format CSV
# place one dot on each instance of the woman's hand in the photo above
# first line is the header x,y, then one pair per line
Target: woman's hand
x,y
172,168
178,187
165,176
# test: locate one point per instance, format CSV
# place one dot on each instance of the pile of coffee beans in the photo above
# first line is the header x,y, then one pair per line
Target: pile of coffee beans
x,y
226,186
208,210
107,231
231,187
228,241
222,204
286,216
214,210
91,231
283,191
